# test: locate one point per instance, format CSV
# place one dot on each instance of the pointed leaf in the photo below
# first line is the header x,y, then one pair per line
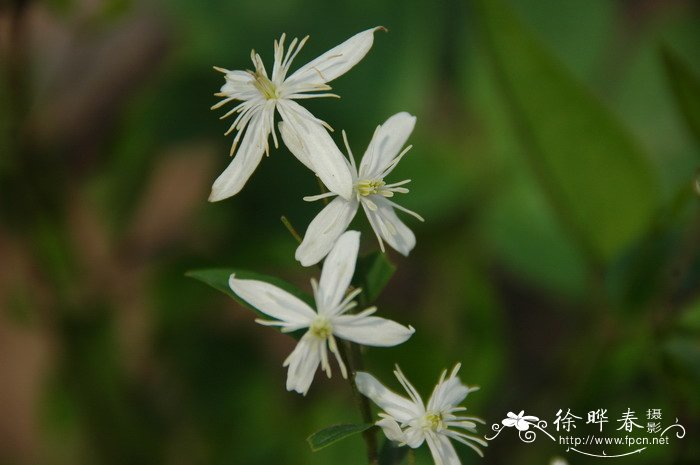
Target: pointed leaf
x,y
595,176
372,274
686,87
218,279
333,434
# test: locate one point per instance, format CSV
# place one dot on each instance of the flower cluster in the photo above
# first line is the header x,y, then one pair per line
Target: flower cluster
x,y
335,317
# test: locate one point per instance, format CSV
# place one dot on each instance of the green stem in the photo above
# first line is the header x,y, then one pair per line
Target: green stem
x,y
411,460
351,354
323,190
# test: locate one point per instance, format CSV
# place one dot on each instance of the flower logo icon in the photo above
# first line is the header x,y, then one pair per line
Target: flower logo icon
x,y
520,421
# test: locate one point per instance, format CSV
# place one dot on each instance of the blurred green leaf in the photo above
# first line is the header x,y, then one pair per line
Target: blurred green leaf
x,y
686,87
684,355
594,174
372,274
333,434
218,279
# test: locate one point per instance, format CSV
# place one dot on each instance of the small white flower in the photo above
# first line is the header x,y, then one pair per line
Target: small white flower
x,y
369,190
328,322
410,422
260,95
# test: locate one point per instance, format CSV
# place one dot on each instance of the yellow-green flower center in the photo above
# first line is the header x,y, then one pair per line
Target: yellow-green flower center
x,y
321,327
367,187
433,421
265,86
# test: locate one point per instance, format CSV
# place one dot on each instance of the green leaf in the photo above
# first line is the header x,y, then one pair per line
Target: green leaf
x,y
372,274
686,87
595,176
218,279
333,434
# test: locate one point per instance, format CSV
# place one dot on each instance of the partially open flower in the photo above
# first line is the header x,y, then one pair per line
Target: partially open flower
x,y
411,422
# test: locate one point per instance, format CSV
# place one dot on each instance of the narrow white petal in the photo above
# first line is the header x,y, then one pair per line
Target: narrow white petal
x,y
410,389
414,435
294,144
442,450
272,301
324,156
387,225
386,144
324,230
392,430
402,409
337,272
371,330
336,61
448,394
239,84
247,158
303,363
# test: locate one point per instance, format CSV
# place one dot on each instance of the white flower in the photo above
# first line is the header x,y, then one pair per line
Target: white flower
x,y
369,190
328,322
410,422
260,95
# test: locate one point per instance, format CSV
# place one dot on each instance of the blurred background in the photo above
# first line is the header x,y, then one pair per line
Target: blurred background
x,y
554,159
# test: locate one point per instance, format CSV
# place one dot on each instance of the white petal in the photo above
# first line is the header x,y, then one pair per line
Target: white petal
x,y
324,230
414,435
338,269
294,144
442,450
336,61
391,429
324,156
239,85
386,144
371,330
303,363
272,301
402,409
386,224
448,394
247,158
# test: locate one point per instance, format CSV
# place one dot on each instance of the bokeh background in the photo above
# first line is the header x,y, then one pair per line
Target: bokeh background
x,y
554,160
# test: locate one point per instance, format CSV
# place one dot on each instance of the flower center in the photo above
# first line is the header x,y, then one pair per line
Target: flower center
x,y
433,421
367,187
265,86
321,327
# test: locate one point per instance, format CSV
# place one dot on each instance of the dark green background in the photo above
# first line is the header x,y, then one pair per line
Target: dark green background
x,y
554,158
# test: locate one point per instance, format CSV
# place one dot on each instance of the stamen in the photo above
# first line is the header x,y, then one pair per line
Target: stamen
x,y
413,394
321,327
367,187
406,210
313,198
373,224
349,297
347,147
395,161
334,349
